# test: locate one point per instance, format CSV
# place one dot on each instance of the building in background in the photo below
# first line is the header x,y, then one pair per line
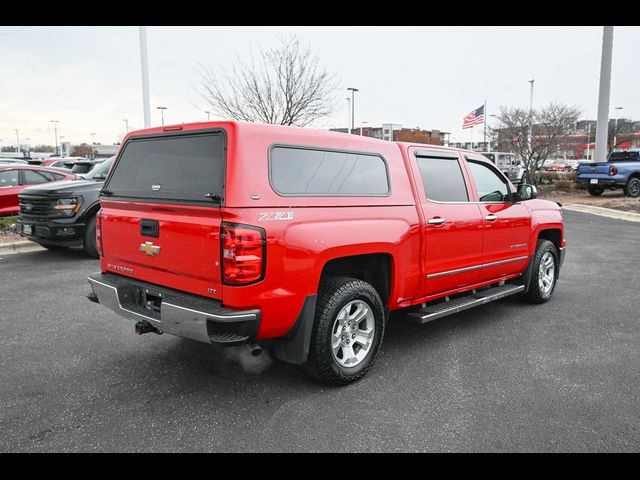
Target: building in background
x,y
395,132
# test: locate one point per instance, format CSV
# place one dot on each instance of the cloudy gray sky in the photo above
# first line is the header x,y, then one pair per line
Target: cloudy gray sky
x,y
88,78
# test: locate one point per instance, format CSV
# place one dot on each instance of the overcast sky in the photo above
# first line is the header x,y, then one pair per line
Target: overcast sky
x,y
88,78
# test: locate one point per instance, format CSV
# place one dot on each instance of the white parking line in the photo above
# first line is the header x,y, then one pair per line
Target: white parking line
x,y
604,212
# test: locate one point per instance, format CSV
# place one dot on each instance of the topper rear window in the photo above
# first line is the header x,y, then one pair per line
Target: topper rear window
x,y
178,167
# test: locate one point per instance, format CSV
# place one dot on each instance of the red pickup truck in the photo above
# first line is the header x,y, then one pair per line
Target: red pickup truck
x,y
303,241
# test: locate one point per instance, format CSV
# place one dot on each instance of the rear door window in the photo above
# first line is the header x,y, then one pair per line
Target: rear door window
x,y
178,167
442,179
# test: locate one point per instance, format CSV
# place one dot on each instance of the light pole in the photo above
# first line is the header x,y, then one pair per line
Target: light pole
x,y
18,141
602,128
353,103
126,125
144,66
615,131
588,141
531,80
162,109
55,130
348,115
208,115
490,149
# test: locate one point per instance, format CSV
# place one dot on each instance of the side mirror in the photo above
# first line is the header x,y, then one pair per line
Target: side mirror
x,y
526,192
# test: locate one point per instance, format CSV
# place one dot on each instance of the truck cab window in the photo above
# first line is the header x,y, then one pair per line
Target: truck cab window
x,y
442,179
491,186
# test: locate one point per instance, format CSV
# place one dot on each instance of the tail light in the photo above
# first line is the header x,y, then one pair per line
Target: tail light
x,y
243,254
613,170
99,233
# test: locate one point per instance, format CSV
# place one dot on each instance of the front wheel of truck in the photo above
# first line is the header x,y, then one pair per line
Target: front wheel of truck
x,y
544,274
347,332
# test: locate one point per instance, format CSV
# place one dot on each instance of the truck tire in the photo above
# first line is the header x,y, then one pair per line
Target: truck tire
x,y
347,332
544,273
632,188
90,247
595,190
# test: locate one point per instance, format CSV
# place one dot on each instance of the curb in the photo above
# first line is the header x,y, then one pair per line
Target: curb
x,y
603,212
19,247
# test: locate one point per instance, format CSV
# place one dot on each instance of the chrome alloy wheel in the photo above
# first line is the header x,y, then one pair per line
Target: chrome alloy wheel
x,y
352,333
546,273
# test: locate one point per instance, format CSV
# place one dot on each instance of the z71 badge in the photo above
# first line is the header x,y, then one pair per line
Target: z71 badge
x,y
275,216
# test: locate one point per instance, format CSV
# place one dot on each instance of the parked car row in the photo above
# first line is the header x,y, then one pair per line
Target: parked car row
x,y
16,177
63,214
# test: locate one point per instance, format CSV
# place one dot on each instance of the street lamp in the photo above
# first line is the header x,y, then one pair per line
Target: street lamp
x,y
93,145
162,109
348,114
531,80
18,141
615,132
126,125
55,130
353,104
208,115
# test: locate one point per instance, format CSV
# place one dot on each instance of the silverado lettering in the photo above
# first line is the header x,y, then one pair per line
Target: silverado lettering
x,y
379,226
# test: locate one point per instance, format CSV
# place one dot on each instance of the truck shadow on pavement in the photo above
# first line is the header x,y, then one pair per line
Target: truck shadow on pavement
x,y
194,365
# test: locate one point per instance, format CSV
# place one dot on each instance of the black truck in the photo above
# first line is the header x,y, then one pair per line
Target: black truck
x,y
63,214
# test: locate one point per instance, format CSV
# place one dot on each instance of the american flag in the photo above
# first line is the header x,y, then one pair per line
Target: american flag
x,y
473,118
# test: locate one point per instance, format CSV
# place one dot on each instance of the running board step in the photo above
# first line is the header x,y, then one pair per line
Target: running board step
x,y
433,312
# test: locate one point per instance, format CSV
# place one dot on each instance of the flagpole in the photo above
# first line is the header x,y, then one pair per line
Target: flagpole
x,y
485,126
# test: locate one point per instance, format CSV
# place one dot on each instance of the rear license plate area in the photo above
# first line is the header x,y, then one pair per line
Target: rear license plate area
x,y
148,299
27,229
594,181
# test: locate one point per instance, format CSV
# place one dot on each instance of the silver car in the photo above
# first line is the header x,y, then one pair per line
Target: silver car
x,y
509,165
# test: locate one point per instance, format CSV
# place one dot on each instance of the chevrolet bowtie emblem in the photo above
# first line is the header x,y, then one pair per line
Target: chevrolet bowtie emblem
x,y
149,248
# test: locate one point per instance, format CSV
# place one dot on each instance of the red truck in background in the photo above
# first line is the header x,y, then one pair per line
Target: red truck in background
x,y
305,240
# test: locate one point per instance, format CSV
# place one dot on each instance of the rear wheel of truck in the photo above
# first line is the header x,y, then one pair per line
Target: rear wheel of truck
x,y
90,247
632,188
347,332
595,190
544,274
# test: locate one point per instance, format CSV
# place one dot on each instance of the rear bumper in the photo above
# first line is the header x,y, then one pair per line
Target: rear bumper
x,y
603,181
175,312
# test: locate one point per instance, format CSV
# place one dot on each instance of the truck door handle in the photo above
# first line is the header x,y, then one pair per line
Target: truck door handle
x,y
491,218
436,221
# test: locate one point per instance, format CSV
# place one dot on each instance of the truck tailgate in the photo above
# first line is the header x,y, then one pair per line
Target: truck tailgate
x,y
177,246
161,214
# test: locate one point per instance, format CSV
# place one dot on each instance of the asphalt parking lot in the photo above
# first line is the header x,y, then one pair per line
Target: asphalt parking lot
x,y
564,376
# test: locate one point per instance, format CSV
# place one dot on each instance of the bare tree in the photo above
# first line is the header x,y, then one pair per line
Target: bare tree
x,y
548,124
287,86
